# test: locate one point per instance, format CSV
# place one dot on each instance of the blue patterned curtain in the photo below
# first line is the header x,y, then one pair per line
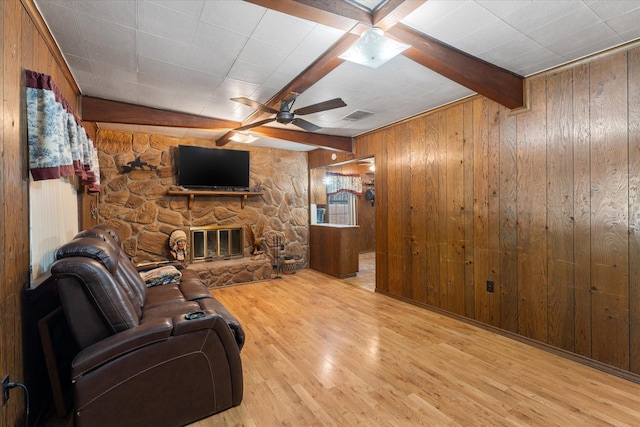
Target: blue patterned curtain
x,y
58,143
337,182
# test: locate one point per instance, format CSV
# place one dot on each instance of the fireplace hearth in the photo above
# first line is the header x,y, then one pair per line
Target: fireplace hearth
x,y
211,243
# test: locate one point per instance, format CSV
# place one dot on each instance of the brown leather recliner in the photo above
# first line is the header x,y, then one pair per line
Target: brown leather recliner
x,y
161,356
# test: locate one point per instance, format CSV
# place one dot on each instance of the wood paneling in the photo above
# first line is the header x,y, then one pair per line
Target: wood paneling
x,y
634,208
542,202
455,209
582,210
508,211
609,211
480,221
430,216
467,183
561,300
532,238
23,47
417,223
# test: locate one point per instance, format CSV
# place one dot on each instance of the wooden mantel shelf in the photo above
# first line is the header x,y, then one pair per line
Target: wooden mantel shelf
x,y
242,195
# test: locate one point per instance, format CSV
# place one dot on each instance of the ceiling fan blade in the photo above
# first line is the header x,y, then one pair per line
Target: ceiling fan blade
x,y
321,106
308,126
255,105
252,125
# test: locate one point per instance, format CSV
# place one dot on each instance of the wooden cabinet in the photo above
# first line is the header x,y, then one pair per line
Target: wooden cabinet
x,y
334,249
317,187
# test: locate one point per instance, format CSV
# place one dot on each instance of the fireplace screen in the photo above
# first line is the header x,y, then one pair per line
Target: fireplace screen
x,y
211,243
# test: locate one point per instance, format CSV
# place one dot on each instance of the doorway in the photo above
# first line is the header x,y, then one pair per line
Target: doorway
x,y
354,205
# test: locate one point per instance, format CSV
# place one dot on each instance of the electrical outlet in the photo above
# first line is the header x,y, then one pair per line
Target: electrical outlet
x,y
5,390
489,286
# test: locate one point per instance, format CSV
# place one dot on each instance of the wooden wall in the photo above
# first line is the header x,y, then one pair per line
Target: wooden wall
x,y
545,203
23,47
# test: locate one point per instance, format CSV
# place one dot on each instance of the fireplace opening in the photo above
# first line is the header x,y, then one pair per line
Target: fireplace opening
x,y
215,243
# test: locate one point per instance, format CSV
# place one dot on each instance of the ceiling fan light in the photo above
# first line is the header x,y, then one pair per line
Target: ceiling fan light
x,y
243,137
373,49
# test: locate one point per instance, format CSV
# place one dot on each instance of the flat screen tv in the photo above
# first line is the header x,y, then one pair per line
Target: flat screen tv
x,y
213,168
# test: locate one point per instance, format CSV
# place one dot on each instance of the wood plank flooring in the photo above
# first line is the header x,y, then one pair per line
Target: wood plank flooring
x,y
321,352
366,275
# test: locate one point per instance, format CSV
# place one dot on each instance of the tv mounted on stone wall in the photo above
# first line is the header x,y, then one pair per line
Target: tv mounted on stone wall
x,y
213,168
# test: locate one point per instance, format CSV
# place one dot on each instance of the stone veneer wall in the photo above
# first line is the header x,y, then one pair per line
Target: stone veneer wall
x,y
137,203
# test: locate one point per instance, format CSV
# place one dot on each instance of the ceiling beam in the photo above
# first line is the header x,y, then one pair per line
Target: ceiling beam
x,y
394,11
340,143
320,68
340,8
310,12
496,83
108,111
311,75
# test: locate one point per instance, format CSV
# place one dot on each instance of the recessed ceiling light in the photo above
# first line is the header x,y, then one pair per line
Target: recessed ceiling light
x,y
243,137
373,49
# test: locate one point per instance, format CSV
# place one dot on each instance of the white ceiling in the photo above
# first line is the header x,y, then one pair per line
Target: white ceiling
x,y
193,55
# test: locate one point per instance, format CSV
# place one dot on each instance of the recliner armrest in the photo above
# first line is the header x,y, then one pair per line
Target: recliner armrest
x,y
213,305
202,320
124,342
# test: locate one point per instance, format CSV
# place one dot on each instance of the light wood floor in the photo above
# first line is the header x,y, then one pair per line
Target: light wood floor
x,y
321,352
366,276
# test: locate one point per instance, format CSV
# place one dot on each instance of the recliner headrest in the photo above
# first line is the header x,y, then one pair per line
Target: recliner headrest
x,y
93,248
101,234
110,230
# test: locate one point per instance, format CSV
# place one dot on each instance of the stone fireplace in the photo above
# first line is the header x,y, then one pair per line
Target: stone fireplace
x,y
211,243
140,203
217,255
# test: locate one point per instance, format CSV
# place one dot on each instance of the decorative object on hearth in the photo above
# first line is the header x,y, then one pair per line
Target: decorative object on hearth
x,y
178,245
288,264
278,247
256,238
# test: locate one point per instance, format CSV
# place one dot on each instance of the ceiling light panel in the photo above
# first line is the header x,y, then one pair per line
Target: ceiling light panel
x,y
373,49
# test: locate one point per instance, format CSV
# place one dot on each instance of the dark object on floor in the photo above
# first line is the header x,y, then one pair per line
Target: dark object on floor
x,y
141,361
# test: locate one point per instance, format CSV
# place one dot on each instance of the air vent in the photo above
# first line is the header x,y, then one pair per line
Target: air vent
x,y
357,115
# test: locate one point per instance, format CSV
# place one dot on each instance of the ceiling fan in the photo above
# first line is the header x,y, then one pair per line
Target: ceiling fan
x,y
285,116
